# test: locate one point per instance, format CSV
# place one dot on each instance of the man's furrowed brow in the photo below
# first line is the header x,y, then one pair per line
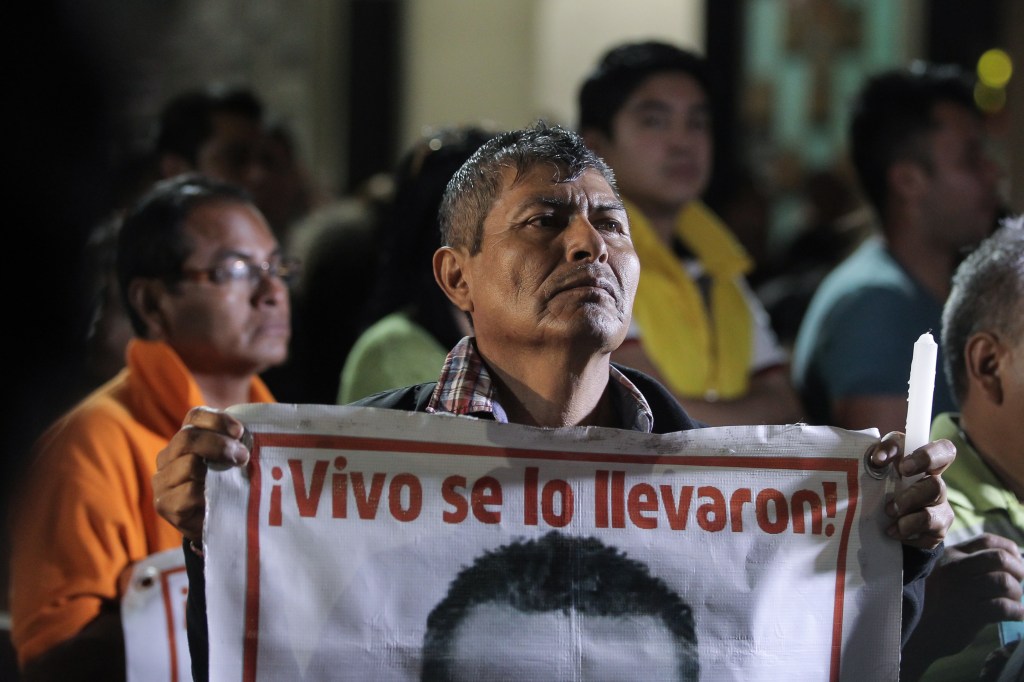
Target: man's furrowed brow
x,y
558,203
610,205
568,204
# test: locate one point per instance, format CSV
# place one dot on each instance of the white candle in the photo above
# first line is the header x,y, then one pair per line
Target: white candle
x,y
919,398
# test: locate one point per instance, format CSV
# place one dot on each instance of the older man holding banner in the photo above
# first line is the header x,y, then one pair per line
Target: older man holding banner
x,y
775,549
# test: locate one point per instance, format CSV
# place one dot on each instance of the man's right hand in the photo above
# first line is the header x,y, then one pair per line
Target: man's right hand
x,y
976,582
207,437
981,580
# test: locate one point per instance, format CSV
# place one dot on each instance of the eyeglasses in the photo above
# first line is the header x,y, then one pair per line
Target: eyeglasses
x,y
241,270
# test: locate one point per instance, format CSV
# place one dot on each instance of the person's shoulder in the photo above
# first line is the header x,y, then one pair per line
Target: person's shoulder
x,y
395,329
389,360
83,451
868,286
95,417
374,344
669,415
409,398
869,271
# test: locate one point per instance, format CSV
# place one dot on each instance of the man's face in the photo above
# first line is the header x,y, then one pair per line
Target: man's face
x,y
960,203
231,153
496,641
660,144
233,327
556,266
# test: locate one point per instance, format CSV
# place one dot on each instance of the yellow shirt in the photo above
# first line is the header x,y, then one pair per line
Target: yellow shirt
x,y
700,350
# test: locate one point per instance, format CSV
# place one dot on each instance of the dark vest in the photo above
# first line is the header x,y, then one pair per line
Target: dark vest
x,y
669,416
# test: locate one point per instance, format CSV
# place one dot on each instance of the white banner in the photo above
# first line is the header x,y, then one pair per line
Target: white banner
x,y
153,619
375,544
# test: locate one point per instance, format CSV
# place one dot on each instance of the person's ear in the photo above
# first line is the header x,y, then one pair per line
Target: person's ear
x,y
173,164
983,357
144,296
907,179
450,273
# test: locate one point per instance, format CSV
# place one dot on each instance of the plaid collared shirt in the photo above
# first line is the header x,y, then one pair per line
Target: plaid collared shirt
x,y
465,388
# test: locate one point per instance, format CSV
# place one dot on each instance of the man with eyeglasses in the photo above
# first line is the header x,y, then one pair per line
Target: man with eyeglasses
x,y
206,288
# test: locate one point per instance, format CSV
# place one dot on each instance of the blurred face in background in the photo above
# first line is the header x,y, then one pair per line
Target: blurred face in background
x,y
232,152
959,202
660,146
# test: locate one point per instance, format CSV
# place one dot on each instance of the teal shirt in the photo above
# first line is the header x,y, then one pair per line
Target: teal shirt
x,y
981,504
857,338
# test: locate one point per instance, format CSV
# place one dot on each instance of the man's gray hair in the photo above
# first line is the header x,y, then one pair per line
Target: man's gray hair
x,y
987,295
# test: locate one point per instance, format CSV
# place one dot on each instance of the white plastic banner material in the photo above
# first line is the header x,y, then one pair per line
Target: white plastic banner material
x,y
153,619
364,544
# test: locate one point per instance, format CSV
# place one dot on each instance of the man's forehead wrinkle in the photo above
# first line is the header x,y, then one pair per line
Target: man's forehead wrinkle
x,y
573,199
613,204
545,201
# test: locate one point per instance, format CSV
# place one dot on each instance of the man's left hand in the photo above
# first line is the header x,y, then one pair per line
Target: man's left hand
x,y
919,509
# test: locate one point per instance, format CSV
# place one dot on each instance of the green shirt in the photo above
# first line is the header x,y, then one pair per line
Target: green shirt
x,y
392,353
981,504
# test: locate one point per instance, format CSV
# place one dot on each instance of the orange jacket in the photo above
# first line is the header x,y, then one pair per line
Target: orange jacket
x,y
86,510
